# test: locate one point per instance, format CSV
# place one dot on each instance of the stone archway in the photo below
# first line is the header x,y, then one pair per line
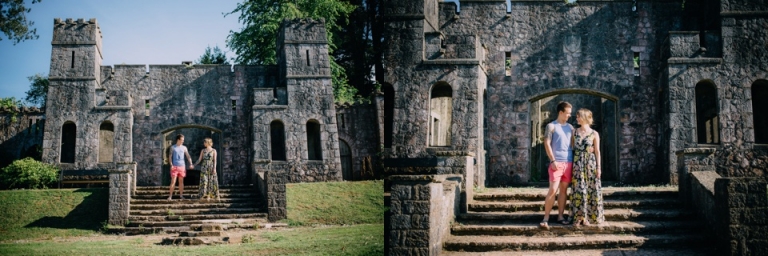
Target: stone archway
x,y
605,113
193,140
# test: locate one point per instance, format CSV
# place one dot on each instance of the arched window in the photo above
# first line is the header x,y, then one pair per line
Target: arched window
x,y
389,113
707,111
759,106
106,142
345,154
314,145
68,140
440,111
277,140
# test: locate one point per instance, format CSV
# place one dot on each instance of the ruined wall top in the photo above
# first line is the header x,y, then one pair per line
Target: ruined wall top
x,y
78,31
302,30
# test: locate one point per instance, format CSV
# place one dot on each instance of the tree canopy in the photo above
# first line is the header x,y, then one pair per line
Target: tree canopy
x,y
13,21
255,43
213,56
38,90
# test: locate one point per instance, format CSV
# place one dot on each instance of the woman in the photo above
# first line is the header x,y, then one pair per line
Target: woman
x,y
586,196
209,183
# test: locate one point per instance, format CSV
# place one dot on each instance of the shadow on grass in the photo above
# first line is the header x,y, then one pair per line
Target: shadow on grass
x,y
90,214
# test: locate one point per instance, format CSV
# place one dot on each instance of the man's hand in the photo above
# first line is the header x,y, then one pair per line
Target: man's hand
x,y
191,166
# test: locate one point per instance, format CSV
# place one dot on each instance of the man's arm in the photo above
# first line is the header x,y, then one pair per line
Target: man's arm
x,y
186,153
548,141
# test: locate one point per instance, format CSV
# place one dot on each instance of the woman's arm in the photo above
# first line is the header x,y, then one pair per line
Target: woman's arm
x,y
596,146
200,158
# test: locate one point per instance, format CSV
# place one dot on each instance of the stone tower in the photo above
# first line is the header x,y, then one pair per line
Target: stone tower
x,y
87,129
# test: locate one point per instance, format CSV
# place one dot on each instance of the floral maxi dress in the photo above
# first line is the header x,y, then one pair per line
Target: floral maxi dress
x,y
586,191
209,183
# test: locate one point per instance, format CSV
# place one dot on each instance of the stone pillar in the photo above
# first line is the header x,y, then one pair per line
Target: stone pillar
x,y
276,201
120,185
421,210
691,160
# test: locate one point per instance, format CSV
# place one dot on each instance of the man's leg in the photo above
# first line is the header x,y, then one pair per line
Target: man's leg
x,y
561,199
550,199
181,187
173,181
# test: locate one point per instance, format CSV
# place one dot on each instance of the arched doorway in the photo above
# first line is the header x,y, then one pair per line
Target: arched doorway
x,y
345,154
193,140
605,115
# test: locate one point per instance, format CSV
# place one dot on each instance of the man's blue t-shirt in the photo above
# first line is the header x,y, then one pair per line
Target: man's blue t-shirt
x,y
560,135
177,157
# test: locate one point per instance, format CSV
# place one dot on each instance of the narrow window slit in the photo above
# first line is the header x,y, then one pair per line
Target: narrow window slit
x,y
146,107
72,65
508,63
307,57
234,105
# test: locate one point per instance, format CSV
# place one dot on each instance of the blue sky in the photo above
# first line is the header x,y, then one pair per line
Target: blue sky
x,y
133,32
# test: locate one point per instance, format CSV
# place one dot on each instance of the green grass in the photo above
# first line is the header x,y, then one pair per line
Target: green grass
x,y
335,203
367,239
46,214
327,218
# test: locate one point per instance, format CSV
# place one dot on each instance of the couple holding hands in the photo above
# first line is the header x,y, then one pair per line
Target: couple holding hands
x,y
574,156
209,183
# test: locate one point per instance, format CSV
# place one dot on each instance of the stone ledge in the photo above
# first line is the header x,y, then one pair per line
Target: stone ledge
x,y
305,42
694,60
307,76
255,107
73,42
73,78
437,178
703,151
706,179
451,62
113,108
744,13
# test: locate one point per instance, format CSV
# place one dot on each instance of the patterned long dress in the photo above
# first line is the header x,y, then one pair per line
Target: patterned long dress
x,y
209,183
586,191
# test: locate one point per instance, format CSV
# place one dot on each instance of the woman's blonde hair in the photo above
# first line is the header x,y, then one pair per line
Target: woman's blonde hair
x,y
586,115
208,141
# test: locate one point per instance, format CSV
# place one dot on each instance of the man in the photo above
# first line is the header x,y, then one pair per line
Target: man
x,y
176,156
557,143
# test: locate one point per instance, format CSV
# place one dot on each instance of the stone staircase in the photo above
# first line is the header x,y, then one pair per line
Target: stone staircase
x,y
151,212
639,221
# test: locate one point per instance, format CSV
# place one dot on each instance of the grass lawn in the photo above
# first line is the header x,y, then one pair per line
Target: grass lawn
x,y
333,218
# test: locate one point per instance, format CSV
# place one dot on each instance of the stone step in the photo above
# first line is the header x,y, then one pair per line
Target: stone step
x,y
166,188
538,194
194,240
195,217
192,189
133,229
184,212
575,242
514,206
677,251
186,223
192,195
188,200
200,233
610,215
510,228
164,204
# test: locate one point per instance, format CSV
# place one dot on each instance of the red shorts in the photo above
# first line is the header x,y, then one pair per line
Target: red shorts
x,y
561,171
178,171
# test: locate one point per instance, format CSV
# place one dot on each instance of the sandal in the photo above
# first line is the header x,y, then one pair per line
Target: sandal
x,y
564,221
544,225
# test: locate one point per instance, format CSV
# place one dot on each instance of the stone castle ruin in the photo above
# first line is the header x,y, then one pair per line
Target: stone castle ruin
x,y
676,91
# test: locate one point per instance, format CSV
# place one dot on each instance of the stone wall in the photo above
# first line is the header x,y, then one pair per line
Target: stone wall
x,y
550,49
422,209
21,134
357,126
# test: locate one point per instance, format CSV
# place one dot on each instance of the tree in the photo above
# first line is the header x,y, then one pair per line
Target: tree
x,y
13,21
10,102
360,45
255,43
213,56
38,90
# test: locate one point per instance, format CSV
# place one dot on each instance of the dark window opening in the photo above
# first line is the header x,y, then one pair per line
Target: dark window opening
x,y
234,105
759,107
314,145
389,112
68,140
508,63
277,140
72,65
345,155
307,57
636,63
146,107
707,121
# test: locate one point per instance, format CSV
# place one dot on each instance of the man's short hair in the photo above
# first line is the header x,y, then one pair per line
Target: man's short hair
x,y
562,106
178,137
